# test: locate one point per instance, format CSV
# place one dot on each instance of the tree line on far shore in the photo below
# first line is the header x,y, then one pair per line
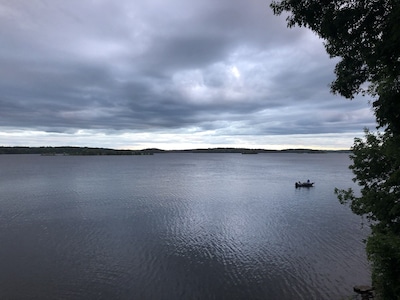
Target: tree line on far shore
x,y
68,150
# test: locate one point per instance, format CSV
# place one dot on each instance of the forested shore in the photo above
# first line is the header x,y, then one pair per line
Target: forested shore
x,y
68,150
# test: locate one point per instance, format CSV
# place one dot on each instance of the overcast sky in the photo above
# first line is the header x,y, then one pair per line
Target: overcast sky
x,y
173,74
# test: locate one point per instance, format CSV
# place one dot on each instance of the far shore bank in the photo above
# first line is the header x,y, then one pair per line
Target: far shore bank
x,y
69,150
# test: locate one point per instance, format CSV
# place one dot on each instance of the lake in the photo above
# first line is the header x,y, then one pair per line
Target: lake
x,y
178,226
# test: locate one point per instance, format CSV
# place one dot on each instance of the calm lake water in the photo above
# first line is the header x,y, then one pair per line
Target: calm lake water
x,y
178,226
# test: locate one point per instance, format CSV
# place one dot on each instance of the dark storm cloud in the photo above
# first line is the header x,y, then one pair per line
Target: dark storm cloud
x,y
228,66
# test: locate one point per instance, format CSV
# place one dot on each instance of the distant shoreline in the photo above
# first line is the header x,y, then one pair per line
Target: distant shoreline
x,y
69,150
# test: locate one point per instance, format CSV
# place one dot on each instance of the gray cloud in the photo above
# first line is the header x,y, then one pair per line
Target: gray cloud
x,y
155,66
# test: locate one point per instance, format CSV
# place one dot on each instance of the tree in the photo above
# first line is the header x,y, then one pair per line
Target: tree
x,y
376,166
365,35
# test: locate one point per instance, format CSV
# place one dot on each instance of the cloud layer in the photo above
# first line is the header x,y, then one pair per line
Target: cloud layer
x,y
172,74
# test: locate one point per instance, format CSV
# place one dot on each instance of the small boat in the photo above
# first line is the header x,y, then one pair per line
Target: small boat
x,y
304,184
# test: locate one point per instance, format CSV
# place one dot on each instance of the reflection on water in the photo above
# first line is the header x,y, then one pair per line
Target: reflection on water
x,y
178,226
